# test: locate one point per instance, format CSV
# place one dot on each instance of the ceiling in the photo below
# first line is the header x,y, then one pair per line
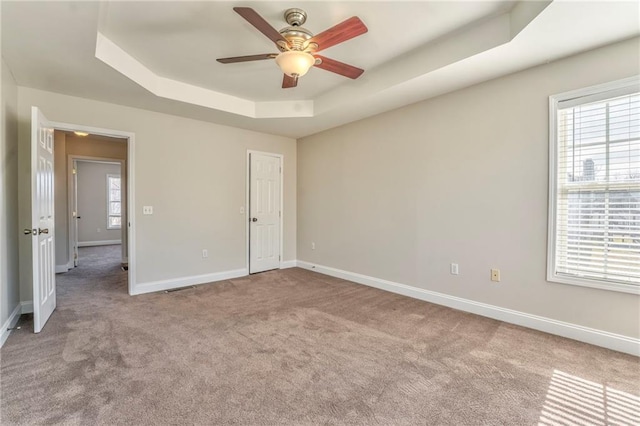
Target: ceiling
x,y
162,55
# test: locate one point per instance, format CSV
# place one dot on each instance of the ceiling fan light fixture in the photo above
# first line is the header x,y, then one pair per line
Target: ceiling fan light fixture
x,y
295,63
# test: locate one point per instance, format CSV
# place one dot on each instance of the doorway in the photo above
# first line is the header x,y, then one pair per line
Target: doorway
x,y
46,184
91,177
265,205
97,208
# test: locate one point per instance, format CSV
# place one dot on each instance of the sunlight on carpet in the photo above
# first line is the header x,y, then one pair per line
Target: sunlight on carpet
x,y
571,400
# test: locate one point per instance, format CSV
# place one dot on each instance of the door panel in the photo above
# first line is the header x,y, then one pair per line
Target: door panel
x,y
264,212
42,227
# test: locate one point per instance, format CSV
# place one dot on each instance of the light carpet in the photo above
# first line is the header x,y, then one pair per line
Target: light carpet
x,y
293,347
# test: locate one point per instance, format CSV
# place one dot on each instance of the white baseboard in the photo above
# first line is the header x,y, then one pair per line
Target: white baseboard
x,y
64,268
98,243
170,284
288,264
27,307
10,323
593,336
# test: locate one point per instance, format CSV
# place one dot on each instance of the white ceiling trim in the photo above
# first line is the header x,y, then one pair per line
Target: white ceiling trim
x,y
114,56
474,40
439,54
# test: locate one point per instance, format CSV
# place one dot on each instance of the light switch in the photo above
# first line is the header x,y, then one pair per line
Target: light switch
x,y
147,210
241,210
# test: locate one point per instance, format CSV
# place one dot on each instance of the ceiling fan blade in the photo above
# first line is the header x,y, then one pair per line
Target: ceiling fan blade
x,y
261,25
344,31
247,58
288,82
338,67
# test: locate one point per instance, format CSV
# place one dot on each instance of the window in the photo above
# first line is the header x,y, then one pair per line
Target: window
x,y
114,202
594,218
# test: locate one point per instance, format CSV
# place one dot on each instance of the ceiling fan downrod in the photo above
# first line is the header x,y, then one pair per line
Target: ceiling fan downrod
x,y
295,17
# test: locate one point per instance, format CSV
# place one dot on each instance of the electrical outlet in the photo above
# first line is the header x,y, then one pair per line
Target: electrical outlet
x,y
454,269
205,253
495,275
313,246
241,210
147,210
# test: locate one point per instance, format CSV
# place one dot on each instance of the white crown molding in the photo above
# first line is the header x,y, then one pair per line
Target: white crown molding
x,y
387,78
114,56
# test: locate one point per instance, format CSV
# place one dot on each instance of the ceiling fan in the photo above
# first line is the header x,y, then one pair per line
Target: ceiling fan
x,y
298,46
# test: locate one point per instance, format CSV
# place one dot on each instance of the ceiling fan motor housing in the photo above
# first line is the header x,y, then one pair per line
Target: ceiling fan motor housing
x,y
295,34
297,37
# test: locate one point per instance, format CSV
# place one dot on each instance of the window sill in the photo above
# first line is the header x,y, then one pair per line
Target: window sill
x,y
602,285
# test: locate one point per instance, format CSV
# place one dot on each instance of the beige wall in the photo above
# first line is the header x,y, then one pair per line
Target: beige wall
x,y
92,202
193,173
9,280
89,146
460,178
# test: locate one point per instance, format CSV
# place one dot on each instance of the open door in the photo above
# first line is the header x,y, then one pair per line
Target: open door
x,y
264,212
42,220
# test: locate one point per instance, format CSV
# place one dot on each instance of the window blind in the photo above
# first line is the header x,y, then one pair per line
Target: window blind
x,y
598,189
114,204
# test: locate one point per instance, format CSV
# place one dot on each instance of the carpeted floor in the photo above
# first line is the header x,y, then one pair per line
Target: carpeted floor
x,y
298,348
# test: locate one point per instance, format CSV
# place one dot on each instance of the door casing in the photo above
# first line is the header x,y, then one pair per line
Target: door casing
x,y
72,159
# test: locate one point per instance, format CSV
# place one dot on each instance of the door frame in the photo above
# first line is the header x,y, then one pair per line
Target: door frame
x,y
248,205
71,158
130,163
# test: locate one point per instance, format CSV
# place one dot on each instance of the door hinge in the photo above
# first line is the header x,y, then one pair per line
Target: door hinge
x,y
74,171
280,169
279,214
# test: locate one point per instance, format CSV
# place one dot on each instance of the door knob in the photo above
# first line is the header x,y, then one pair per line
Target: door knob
x,y
28,231
255,219
42,231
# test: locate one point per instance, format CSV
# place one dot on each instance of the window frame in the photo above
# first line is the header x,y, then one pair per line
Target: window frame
x,y
109,215
578,97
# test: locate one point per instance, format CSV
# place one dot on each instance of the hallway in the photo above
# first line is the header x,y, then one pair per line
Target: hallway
x,y
99,269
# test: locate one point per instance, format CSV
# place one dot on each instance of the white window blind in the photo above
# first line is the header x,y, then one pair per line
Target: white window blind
x,y
597,189
114,202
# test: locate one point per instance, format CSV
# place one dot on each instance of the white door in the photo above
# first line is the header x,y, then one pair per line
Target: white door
x,y
264,212
42,231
